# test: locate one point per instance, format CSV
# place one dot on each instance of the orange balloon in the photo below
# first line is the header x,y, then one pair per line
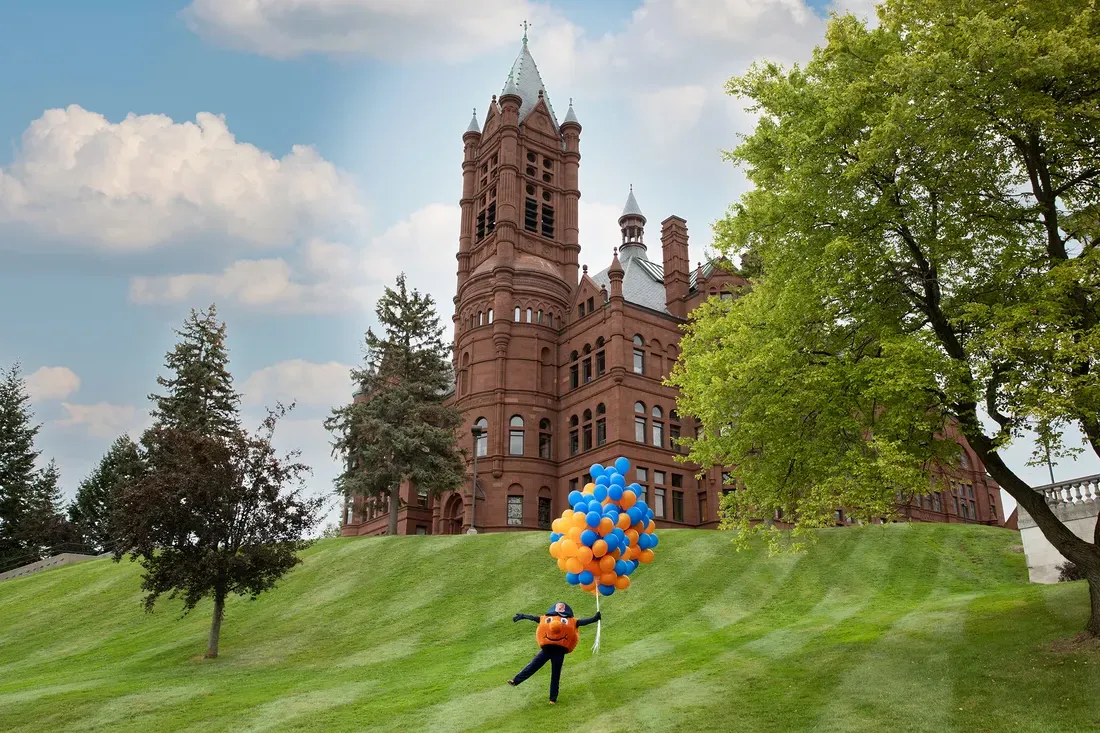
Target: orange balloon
x,y
590,587
573,565
638,527
593,567
605,527
579,519
616,554
608,579
599,548
561,564
634,552
555,526
584,554
589,488
567,516
622,583
646,556
555,549
574,534
629,499
651,527
624,521
568,548
632,535
607,563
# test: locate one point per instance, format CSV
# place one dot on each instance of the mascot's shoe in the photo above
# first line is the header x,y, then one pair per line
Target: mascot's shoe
x,y
512,683
553,702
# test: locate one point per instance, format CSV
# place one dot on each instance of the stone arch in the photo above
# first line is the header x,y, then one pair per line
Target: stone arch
x,y
454,515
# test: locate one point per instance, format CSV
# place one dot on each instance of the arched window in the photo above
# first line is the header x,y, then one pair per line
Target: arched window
x,y
601,424
515,505
639,341
490,315
529,315
481,444
516,319
540,317
545,440
573,356
588,348
586,431
657,412
586,366
639,355
515,436
574,371
574,436
480,318
601,362
658,427
674,431
964,460
639,422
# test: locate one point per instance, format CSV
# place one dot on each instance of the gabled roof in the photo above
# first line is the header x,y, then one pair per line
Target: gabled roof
x,y
643,281
524,79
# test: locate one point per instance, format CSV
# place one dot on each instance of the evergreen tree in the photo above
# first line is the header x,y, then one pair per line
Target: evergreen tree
x,y
400,430
208,513
17,458
44,526
199,392
96,496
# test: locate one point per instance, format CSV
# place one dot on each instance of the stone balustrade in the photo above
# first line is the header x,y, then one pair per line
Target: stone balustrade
x,y
1077,504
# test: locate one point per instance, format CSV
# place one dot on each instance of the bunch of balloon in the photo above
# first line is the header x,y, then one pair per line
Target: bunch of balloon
x,y
608,531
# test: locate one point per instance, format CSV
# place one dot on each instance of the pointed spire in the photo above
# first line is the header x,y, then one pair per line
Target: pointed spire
x,y
474,126
615,272
525,82
631,208
571,116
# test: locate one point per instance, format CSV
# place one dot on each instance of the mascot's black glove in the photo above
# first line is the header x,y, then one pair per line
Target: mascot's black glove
x,y
598,616
517,617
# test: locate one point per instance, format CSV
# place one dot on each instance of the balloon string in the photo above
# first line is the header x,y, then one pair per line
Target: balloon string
x,y
596,646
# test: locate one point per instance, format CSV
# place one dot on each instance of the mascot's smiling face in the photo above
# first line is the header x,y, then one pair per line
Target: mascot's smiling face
x,y
558,631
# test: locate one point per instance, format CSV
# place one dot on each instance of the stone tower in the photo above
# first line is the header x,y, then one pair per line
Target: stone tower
x,y
517,271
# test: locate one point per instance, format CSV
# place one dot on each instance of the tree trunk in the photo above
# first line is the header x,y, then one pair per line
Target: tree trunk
x,y
395,504
216,625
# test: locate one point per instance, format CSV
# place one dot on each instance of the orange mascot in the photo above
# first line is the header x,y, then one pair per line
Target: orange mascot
x,y
557,635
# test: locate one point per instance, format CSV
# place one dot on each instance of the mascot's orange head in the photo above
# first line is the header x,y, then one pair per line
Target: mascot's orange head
x,y
558,628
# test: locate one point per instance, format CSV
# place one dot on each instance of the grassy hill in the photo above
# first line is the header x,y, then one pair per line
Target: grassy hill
x,y
897,628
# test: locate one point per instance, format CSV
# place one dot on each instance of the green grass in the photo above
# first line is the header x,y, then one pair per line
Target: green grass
x,y
897,628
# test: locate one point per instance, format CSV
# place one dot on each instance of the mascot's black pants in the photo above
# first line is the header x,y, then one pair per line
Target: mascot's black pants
x,y
553,654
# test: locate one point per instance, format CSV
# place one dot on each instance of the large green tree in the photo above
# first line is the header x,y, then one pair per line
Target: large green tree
x,y
400,429
213,510
925,217
17,462
92,511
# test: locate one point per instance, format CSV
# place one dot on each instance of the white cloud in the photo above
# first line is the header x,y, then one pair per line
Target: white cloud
x,y
330,277
383,29
667,114
105,420
307,383
52,383
133,184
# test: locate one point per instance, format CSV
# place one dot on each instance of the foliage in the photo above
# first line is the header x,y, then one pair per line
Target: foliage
x,y
212,516
1068,572
924,213
94,506
874,629
199,391
400,429
213,510
331,530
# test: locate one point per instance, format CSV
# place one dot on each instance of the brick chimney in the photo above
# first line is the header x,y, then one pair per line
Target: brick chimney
x,y
674,247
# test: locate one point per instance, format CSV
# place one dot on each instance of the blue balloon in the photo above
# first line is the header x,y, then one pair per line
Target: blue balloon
x,y
653,542
620,567
555,536
618,532
649,514
581,507
615,493
589,537
612,542
606,590
572,579
635,514
586,577
574,497
631,566
622,465
635,487
643,541
600,493
642,507
604,480
592,519
595,506
596,470
618,480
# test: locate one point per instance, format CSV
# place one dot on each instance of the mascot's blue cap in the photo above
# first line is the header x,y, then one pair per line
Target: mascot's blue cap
x,y
560,609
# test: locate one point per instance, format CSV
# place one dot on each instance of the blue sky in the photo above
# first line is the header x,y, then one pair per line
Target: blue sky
x,y
287,159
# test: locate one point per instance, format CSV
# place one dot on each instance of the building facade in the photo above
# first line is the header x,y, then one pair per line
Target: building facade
x,y
560,368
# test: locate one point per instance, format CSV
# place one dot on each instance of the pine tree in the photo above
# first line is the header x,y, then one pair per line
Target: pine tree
x,y
44,527
209,513
17,459
401,429
200,394
96,496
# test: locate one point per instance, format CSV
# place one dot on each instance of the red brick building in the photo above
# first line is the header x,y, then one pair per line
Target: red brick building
x,y
563,368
